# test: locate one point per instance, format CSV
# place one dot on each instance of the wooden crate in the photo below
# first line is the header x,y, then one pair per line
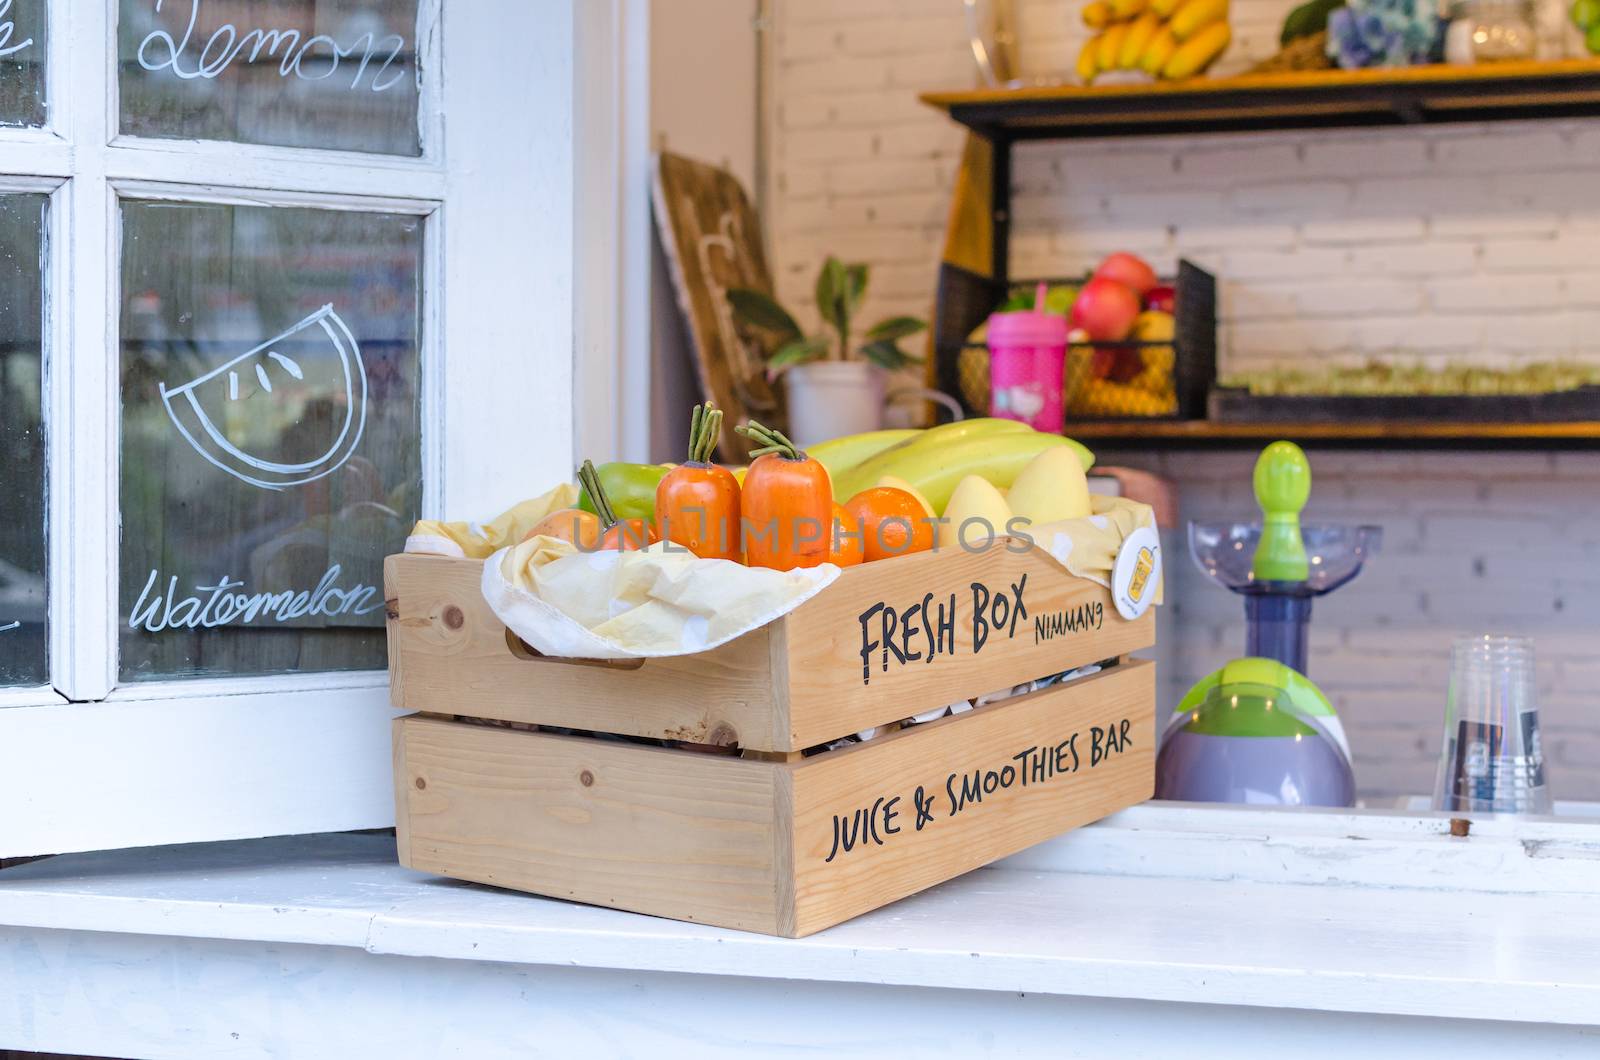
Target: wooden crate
x,y
764,838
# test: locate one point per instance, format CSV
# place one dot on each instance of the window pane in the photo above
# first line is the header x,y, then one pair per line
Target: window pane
x,y
22,542
22,48
318,73
270,434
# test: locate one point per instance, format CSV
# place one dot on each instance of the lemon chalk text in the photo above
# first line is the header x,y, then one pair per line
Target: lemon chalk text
x,y
189,59
221,605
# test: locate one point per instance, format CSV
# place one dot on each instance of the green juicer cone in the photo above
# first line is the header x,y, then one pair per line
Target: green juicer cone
x,y
1283,485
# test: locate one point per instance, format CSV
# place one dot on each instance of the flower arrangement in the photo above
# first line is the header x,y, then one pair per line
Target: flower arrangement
x,y
1382,33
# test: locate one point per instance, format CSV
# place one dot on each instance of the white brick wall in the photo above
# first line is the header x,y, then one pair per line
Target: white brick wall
x,y
1464,242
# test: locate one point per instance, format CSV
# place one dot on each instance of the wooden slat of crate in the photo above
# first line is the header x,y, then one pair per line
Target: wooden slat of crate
x,y
1005,821
448,653
794,684
746,844
686,835
832,690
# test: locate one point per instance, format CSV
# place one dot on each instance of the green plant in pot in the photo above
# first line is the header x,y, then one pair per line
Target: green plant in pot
x,y
835,380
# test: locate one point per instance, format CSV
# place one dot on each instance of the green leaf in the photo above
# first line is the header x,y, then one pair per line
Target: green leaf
x,y
832,283
886,355
1307,19
855,287
760,310
896,328
797,352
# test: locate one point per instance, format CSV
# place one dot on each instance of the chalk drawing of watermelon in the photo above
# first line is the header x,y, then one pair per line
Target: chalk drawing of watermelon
x,y
254,377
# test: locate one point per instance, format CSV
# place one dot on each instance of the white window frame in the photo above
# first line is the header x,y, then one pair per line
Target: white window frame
x,y
86,763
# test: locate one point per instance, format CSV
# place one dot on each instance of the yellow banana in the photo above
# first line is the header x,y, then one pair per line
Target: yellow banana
x,y
1158,358
1198,52
1156,375
851,481
1195,15
1158,51
1126,10
1089,60
1138,39
1097,15
840,454
960,429
1111,45
1102,397
1164,8
999,458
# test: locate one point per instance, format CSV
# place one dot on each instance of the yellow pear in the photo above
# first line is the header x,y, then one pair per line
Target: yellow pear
x,y
977,506
1050,489
895,482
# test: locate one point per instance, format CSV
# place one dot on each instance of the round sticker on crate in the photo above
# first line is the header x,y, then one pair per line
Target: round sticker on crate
x,y
1137,573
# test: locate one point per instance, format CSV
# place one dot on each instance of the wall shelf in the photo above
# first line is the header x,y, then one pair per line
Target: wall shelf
x,y
1315,99
977,244
1414,434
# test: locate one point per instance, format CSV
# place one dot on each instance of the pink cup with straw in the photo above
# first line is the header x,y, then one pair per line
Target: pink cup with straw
x,y
1027,359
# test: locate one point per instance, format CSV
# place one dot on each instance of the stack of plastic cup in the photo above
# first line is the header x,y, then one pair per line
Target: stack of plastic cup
x,y
1492,761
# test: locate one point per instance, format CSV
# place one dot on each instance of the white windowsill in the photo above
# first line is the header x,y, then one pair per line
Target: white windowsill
x,y
1230,907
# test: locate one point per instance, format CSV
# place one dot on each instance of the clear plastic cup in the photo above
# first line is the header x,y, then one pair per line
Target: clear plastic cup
x,y
1492,761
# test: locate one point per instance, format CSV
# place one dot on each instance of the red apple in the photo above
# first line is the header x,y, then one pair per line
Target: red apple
x,y
1129,270
1161,299
1106,310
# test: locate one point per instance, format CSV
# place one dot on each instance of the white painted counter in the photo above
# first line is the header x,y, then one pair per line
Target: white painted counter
x,y
323,946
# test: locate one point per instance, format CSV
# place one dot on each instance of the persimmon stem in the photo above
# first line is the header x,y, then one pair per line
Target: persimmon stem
x,y
770,440
694,432
589,479
705,427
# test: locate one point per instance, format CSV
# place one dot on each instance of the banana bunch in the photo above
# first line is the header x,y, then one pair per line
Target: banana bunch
x,y
1148,390
1168,39
934,461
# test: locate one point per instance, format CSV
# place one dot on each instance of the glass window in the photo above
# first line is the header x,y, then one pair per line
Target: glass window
x,y
339,74
23,635
270,434
22,48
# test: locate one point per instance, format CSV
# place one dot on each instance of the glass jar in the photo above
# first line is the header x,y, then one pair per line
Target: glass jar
x,y
1486,31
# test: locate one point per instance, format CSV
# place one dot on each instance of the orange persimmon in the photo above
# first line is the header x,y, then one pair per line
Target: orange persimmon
x,y
621,535
628,535
697,503
893,522
786,506
573,525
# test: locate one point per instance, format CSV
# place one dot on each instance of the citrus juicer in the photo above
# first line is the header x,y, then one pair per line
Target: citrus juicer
x,y
1258,730
1278,565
